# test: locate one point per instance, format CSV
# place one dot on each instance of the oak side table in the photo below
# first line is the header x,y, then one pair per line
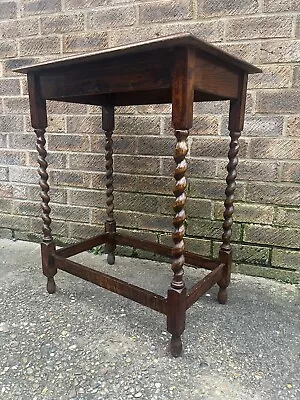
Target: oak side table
x,y
178,69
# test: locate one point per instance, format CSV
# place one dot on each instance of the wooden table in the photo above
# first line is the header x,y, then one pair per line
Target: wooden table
x,y
177,69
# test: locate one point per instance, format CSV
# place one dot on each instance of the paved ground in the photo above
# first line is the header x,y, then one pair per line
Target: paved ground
x,y
87,343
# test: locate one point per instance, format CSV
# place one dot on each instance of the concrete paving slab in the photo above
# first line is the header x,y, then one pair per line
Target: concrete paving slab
x,y
87,343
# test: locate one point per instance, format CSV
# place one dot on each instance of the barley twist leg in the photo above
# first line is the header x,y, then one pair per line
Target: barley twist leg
x,y
226,249
47,244
177,292
110,224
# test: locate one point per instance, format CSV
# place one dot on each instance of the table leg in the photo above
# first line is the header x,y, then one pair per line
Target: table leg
x,y
236,124
47,246
226,249
38,115
110,224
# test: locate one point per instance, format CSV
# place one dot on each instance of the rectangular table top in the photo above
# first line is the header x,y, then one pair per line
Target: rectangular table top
x,y
166,42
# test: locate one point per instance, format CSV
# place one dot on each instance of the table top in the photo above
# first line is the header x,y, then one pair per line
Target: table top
x,y
178,40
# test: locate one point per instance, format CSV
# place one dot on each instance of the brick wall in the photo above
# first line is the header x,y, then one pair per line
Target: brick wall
x,y
267,220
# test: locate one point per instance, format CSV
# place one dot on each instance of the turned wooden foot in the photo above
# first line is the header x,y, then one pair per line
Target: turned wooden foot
x,y
51,286
110,258
222,296
176,346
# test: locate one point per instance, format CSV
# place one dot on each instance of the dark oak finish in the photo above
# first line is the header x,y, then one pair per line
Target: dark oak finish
x,y
178,69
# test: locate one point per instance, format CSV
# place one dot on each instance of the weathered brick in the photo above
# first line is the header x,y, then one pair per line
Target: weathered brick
x,y
40,46
293,125
140,202
279,101
195,208
207,8
272,236
57,195
110,18
210,229
298,27
55,160
6,190
84,124
272,76
8,10
11,123
62,23
246,50
212,189
259,125
73,4
19,28
28,208
11,63
291,172
34,7
8,48
211,107
202,125
253,213
122,144
70,178
199,246
259,27
3,173
279,51
68,142
211,31
6,205
156,146
286,259
15,222
296,77
70,213
6,233
136,165
197,168
3,140
22,174
150,109
214,147
273,193
58,107
59,228
165,11
88,162
288,217
243,253
274,148
134,183
137,125
20,190
84,42
84,231
11,157
16,105
251,170
9,87
87,198
277,5
22,141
